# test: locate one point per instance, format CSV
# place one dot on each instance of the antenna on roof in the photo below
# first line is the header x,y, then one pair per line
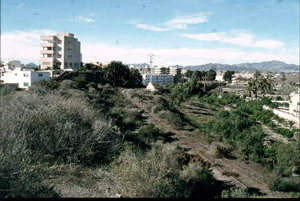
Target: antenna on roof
x,y
151,56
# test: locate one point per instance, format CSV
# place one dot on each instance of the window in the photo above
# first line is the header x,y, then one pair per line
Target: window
x,y
26,84
26,75
16,74
66,64
40,74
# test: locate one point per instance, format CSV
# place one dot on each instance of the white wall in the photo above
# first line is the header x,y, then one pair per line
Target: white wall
x,y
24,79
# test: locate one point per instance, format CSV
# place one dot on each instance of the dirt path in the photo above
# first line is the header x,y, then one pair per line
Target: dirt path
x,y
236,171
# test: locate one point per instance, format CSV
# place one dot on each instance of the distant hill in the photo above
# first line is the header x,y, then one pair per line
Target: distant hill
x,y
274,66
31,65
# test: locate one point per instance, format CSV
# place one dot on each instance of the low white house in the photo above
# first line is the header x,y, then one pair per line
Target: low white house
x,y
157,79
294,105
23,78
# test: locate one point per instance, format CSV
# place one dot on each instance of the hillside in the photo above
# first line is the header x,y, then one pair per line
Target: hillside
x,y
274,66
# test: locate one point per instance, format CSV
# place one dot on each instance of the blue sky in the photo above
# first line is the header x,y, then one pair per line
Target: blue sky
x,y
184,32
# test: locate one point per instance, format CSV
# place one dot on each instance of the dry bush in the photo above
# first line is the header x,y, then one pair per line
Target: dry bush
x,y
172,118
40,127
66,84
221,150
159,173
58,128
153,175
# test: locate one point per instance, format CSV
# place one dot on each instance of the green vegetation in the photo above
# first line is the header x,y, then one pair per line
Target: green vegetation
x,y
7,89
228,76
261,84
81,119
240,127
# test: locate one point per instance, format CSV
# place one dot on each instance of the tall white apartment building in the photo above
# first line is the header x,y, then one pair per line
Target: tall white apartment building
x,y
60,51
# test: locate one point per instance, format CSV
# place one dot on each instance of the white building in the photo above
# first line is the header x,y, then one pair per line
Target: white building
x,y
219,76
61,51
294,105
23,78
175,71
158,79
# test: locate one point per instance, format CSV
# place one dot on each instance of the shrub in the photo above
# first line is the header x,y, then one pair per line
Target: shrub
x,y
285,184
153,175
278,98
6,89
237,193
172,118
221,149
199,182
148,133
66,84
131,119
159,173
285,132
59,128
21,175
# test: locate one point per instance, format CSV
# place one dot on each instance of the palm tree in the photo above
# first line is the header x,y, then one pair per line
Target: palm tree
x,y
267,83
254,83
249,88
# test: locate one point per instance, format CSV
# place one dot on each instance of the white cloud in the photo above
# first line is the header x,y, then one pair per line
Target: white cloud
x,y
238,38
22,45
182,56
180,22
25,46
86,19
151,27
21,5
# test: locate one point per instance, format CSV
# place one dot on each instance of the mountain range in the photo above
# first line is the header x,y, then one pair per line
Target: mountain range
x,y
274,66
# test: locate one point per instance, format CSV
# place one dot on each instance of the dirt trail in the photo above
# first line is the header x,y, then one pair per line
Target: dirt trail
x,y
236,171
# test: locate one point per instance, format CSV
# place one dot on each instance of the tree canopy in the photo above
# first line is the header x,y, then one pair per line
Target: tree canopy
x,y
228,76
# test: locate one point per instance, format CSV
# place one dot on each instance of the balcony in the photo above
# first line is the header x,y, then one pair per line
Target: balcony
x,y
47,51
47,45
48,38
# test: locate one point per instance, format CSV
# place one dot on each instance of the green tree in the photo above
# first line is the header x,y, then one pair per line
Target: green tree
x,y
211,75
90,66
136,78
228,76
117,74
282,77
267,83
189,73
